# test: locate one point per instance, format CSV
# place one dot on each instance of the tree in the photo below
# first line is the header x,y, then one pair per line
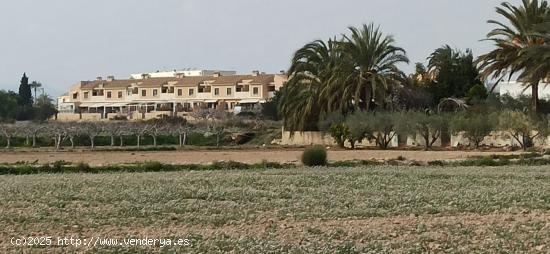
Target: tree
x,y
8,105
511,40
353,73
44,109
378,126
31,130
73,131
311,68
182,129
92,130
474,127
115,129
140,129
477,93
429,127
156,128
374,59
25,94
9,131
522,127
335,125
454,73
59,133
35,85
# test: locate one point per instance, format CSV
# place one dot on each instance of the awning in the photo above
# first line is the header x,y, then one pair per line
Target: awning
x,y
117,105
249,101
210,101
92,105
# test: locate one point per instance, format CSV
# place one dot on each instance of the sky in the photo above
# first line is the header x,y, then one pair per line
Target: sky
x,y
60,42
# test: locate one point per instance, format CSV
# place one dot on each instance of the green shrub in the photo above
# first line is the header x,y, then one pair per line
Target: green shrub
x,y
315,156
228,165
83,167
436,163
153,166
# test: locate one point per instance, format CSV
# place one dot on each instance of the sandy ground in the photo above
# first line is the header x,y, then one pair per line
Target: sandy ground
x,y
202,157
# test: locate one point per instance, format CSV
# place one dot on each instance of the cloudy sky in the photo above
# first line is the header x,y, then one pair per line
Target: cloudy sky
x,y
60,42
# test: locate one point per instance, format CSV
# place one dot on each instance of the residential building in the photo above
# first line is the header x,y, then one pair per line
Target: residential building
x,y
517,89
150,97
189,72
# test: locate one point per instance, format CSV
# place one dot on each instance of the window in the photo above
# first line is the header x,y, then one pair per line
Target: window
x,y
180,92
143,92
271,88
120,95
135,90
155,92
216,91
228,91
75,96
255,91
109,95
86,94
191,92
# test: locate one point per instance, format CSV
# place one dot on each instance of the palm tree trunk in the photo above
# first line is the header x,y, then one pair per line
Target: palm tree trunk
x,y
535,96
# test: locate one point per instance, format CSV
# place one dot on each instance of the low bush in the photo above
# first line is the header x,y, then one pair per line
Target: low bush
x,y
315,156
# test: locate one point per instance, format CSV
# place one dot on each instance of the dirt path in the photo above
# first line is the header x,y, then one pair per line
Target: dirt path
x,y
201,157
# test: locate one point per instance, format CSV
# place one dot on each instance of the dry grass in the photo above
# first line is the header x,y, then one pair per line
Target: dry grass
x,y
345,210
100,158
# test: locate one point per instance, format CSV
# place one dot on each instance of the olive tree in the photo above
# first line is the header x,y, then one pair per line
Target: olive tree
x,y
524,128
473,126
428,126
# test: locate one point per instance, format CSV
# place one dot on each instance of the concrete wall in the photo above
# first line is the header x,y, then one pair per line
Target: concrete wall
x,y
308,138
76,117
498,139
419,141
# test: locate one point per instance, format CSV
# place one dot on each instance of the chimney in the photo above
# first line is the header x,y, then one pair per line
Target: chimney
x,y
145,76
255,73
217,74
99,78
282,72
110,78
180,75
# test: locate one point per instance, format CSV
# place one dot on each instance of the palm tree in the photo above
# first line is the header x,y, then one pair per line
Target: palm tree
x,y
340,76
310,70
452,72
35,85
374,59
512,40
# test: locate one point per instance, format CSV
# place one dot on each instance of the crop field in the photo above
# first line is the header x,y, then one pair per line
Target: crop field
x,y
339,210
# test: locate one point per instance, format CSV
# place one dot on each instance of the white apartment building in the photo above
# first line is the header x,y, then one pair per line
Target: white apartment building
x,y
189,72
516,89
150,97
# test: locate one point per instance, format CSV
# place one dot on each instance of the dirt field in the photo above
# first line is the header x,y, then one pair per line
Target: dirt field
x,y
100,158
337,210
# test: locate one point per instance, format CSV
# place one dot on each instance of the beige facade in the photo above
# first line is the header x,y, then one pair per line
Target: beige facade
x,y
143,98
